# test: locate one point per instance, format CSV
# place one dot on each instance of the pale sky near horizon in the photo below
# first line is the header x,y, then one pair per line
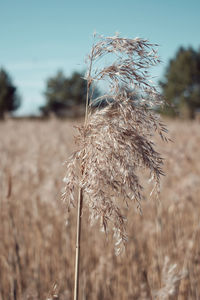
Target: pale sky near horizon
x,y
38,38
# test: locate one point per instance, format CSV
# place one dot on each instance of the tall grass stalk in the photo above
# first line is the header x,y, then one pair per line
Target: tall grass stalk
x,y
115,143
80,204
78,238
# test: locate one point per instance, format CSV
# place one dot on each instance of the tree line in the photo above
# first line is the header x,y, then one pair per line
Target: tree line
x,y
65,96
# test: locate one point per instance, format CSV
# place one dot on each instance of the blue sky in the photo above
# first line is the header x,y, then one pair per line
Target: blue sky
x,y
40,37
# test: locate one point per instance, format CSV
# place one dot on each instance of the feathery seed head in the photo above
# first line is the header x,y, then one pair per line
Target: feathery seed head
x,y
116,141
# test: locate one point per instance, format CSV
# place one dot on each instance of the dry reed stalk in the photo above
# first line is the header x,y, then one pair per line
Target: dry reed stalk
x,y
115,142
78,238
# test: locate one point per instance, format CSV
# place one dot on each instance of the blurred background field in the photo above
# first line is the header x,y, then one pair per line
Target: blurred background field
x,y
38,236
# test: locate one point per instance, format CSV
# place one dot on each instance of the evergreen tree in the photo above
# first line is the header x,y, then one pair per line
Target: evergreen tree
x,y
64,93
9,100
181,84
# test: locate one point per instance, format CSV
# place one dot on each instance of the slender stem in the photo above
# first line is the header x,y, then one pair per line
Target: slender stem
x,y
80,197
88,86
78,237
87,102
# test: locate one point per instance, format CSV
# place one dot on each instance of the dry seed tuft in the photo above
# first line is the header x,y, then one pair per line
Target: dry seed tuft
x,y
116,141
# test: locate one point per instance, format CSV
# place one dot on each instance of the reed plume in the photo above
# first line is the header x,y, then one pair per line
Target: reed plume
x,y
115,142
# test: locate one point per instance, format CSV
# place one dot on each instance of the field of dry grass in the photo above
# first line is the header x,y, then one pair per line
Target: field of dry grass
x,y
37,236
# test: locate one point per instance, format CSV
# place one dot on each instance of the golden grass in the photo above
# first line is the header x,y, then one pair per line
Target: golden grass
x,y
37,236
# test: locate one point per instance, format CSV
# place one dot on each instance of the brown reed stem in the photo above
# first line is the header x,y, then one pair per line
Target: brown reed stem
x,y
88,86
80,201
79,210
78,238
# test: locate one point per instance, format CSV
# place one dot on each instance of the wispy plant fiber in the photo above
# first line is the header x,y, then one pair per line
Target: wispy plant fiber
x,y
115,143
